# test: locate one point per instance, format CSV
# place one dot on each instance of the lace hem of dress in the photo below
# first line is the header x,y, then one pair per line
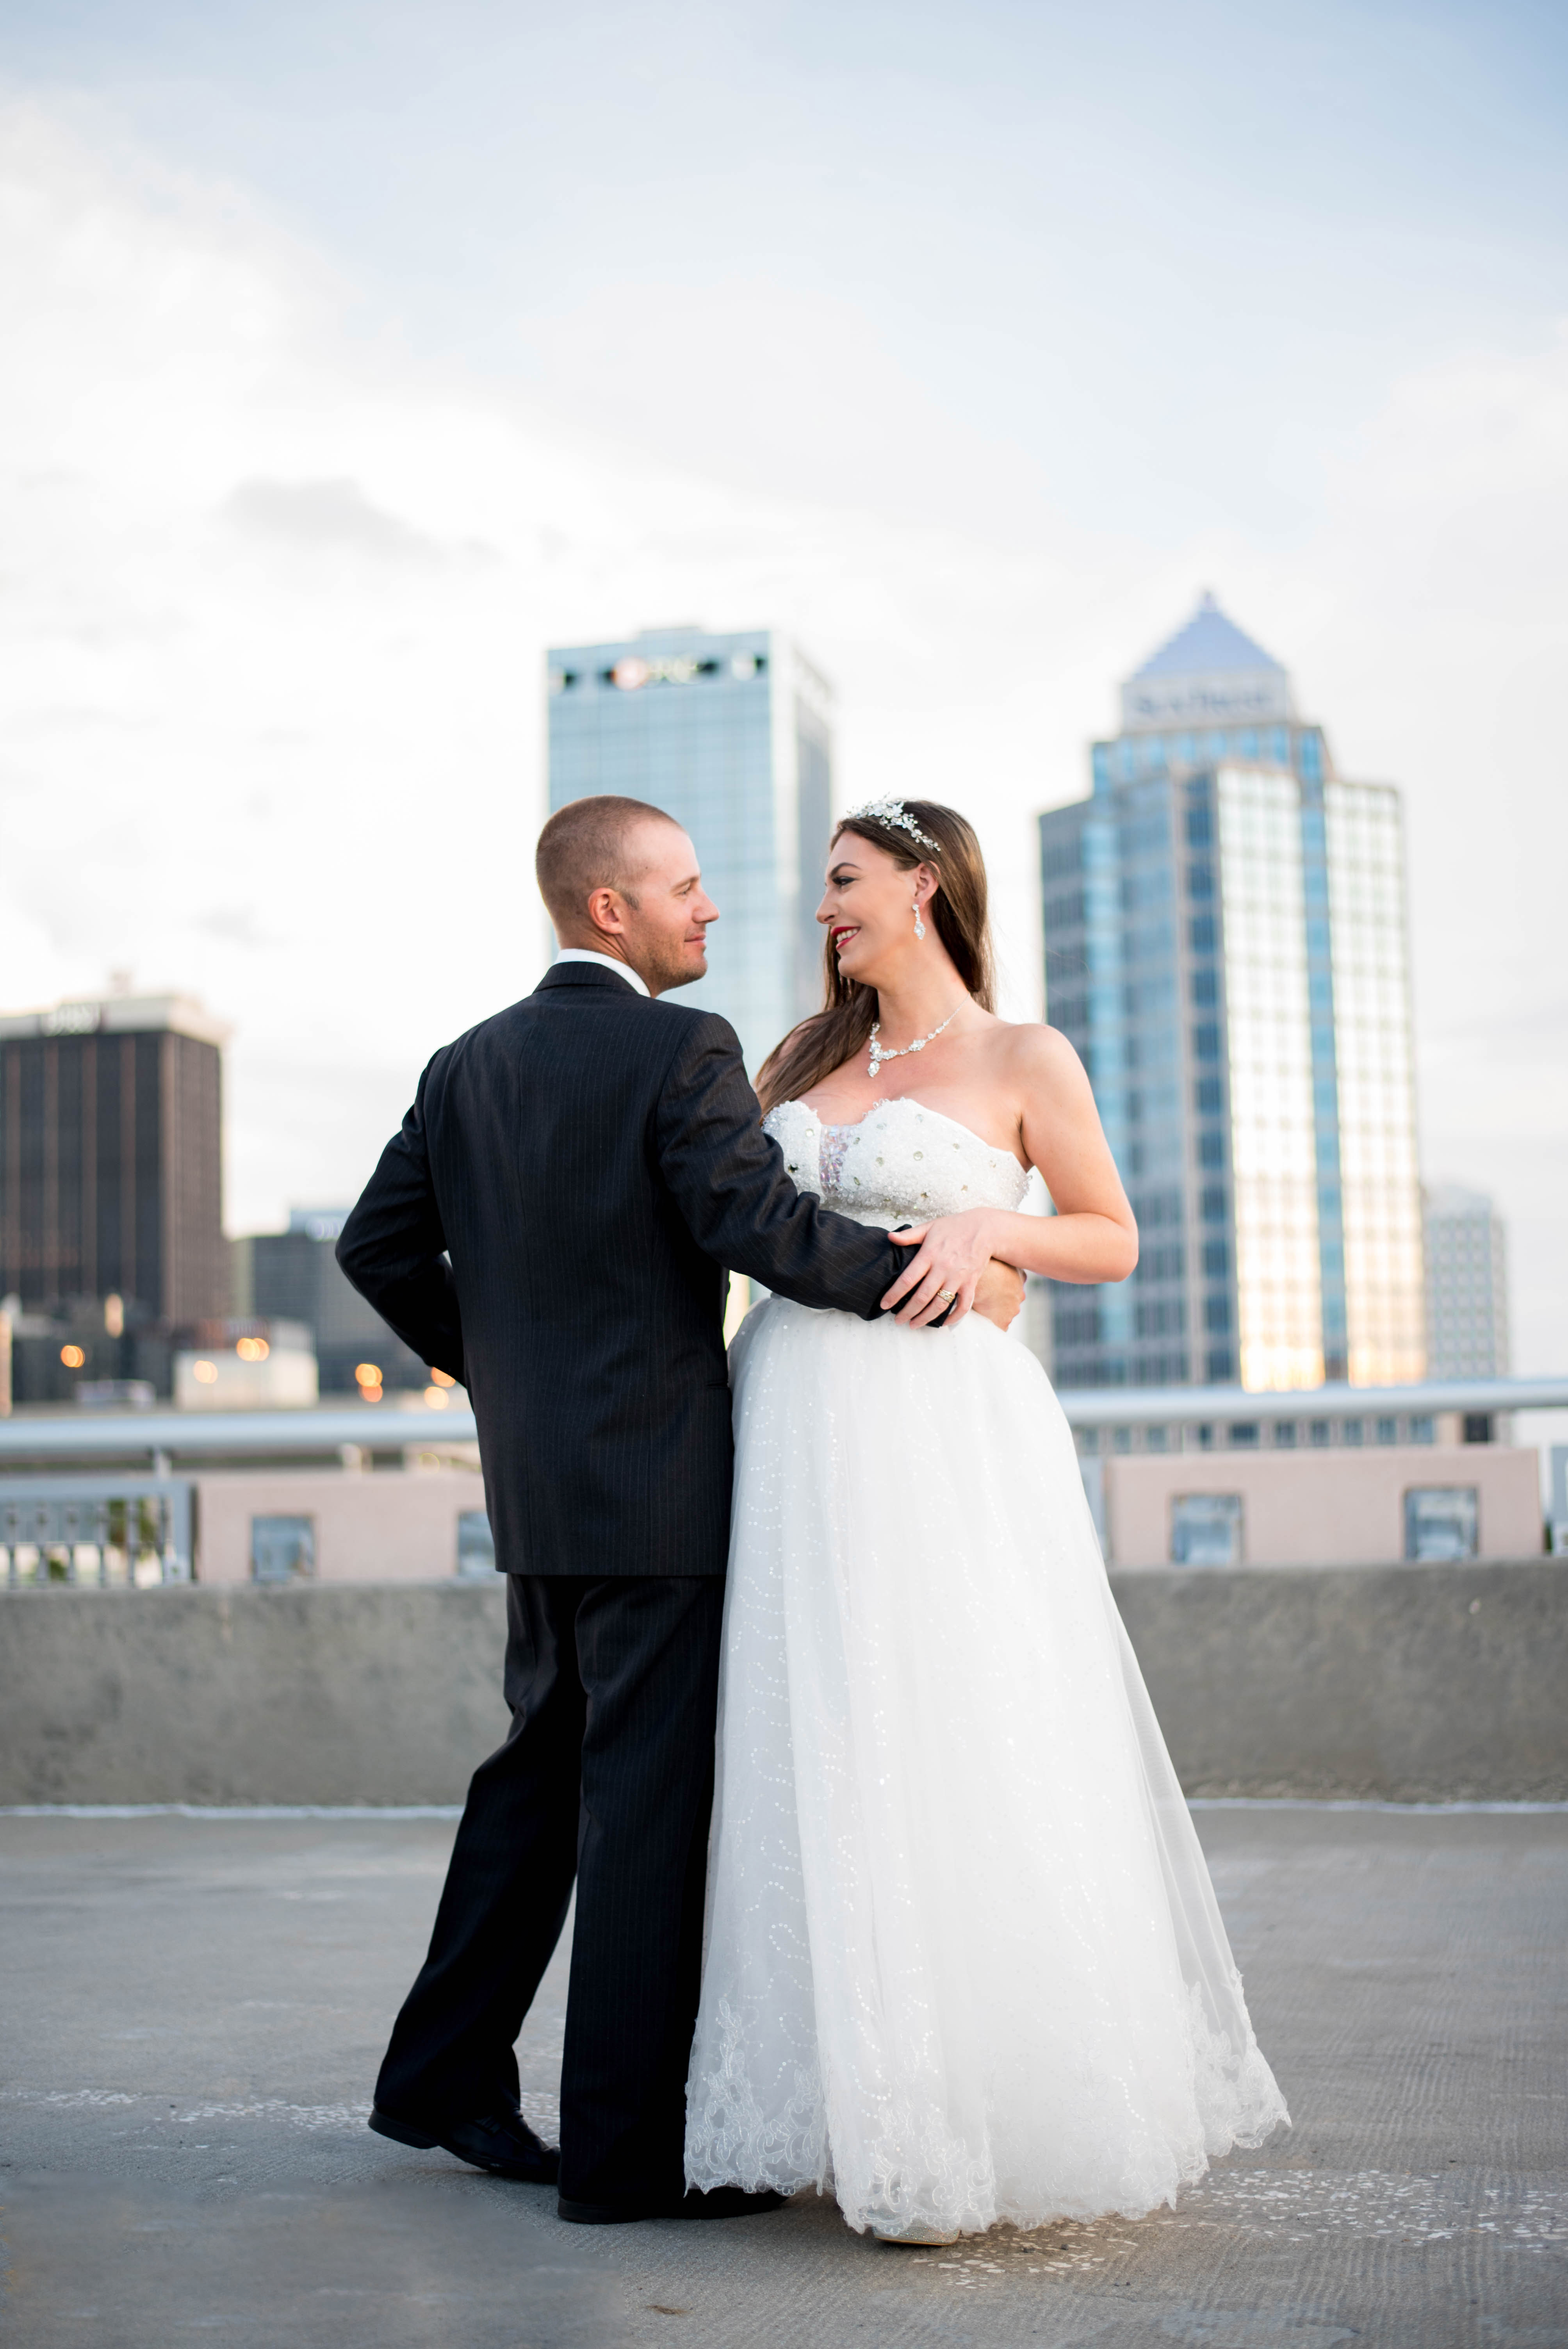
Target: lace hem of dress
x,y
729,2140
910,2167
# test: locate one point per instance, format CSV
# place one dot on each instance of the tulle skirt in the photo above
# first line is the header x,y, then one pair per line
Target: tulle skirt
x,y
963,1961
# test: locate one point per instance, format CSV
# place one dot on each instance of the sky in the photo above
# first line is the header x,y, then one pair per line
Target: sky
x,y
356,354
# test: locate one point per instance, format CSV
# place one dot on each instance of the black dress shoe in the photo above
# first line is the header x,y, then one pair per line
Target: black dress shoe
x,y
500,2142
718,2202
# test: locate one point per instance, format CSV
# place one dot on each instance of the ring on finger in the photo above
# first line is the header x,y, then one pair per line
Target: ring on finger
x,y
946,1296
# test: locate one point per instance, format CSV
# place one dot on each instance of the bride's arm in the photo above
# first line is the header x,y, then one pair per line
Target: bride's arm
x,y
1092,1236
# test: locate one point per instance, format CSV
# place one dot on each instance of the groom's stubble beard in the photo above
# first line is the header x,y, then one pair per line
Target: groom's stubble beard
x,y
667,968
661,962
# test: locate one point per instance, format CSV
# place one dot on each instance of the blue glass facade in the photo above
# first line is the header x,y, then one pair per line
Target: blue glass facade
x,y
731,735
1191,956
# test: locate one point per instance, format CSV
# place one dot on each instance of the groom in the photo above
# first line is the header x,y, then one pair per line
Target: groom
x,y
552,1227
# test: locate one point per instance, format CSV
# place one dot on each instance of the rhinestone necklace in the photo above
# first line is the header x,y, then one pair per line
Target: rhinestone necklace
x,y
879,1053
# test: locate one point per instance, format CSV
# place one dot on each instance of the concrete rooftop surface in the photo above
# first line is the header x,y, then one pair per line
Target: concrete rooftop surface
x,y
194,2007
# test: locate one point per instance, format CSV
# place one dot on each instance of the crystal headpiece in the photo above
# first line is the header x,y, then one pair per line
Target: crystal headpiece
x,y
897,817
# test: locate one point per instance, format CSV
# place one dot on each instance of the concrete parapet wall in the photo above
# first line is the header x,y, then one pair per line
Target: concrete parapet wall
x,y
1403,1682
1406,1683
379,1693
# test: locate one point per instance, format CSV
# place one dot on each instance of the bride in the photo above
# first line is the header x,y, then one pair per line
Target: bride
x,y
962,1961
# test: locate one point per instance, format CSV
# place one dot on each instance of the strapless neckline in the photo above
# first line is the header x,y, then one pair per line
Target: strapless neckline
x,y
901,1161
893,1102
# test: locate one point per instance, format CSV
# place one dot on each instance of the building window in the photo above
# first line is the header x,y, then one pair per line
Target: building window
x,y
1387,1431
1200,828
1352,1432
1210,1150
1206,1529
1440,1523
1212,1206
1200,881
1422,1431
1205,989
1206,1040
1244,1436
1284,1436
1221,1366
1321,1432
283,1549
1217,1314
1208,1096
1201,934
476,1546
1080,1328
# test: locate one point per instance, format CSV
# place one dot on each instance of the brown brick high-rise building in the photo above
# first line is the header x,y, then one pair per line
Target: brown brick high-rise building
x,y
111,1176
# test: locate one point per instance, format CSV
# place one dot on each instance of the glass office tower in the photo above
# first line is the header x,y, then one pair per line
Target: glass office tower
x,y
732,736
1226,944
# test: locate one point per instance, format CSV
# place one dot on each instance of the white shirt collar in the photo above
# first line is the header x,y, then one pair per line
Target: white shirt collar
x,y
605,962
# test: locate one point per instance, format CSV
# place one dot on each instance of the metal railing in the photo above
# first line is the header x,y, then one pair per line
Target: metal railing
x,y
1224,1406
163,1437
124,1532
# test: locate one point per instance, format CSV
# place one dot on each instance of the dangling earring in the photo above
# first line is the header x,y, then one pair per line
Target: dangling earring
x,y
919,924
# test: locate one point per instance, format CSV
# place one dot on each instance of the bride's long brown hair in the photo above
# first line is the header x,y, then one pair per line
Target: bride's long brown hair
x,y
843,1025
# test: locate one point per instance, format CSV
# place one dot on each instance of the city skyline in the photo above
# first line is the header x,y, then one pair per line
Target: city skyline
x,y
309,460
1179,712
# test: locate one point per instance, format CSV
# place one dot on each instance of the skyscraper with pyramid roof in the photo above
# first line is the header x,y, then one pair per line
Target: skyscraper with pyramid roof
x,y
1226,944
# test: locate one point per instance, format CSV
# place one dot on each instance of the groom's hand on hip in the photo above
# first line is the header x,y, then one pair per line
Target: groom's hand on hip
x,y
999,1293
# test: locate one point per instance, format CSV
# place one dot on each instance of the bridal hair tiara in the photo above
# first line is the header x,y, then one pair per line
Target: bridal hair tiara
x,y
897,818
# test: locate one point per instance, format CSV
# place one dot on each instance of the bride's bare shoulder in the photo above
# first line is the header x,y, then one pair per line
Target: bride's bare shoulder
x,y
1039,1056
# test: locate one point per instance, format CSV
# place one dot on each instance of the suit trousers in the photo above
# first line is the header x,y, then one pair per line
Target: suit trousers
x,y
605,1779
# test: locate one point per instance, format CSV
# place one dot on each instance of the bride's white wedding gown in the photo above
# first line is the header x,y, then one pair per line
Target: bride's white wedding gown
x,y
962,1960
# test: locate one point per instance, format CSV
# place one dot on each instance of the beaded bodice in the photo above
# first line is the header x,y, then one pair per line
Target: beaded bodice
x,y
901,1163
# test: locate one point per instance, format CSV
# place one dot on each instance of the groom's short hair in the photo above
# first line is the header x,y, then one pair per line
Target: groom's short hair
x,y
586,845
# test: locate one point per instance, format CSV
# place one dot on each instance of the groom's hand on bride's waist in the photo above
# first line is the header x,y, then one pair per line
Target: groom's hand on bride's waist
x,y
939,1285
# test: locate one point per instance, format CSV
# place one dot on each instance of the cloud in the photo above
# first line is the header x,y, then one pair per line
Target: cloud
x,y
234,926
329,515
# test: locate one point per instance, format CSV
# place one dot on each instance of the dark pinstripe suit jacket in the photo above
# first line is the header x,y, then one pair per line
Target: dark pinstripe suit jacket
x,y
552,1226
